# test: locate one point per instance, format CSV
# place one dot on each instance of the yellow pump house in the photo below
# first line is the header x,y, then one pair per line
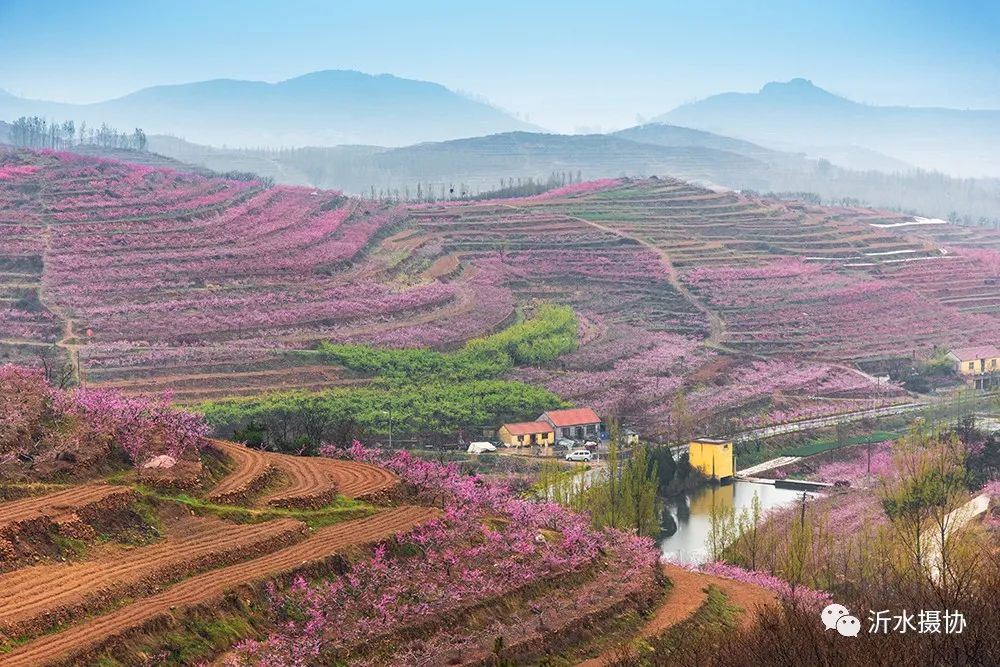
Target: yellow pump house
x,y
716,459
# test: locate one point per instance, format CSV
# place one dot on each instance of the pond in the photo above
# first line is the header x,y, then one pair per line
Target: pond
x,y
685,520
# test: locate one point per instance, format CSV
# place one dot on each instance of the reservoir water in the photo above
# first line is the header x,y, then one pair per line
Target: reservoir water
x,y
686,518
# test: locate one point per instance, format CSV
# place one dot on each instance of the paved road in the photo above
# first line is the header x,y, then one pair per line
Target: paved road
x,y
933,542
767,465
822,422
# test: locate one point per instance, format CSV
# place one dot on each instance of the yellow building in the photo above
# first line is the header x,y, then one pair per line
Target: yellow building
x,y
976,360
978,365
716,459
525,434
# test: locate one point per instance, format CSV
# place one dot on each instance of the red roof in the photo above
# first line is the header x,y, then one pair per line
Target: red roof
x,y
573,417
978,352
528,428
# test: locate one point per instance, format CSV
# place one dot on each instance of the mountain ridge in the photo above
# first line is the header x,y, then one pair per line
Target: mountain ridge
x,y
799,113
327,107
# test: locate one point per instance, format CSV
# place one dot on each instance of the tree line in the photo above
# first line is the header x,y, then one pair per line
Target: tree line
x,y
37,132
507,188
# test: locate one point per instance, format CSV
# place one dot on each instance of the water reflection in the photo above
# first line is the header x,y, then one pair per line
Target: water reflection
x,y
686,519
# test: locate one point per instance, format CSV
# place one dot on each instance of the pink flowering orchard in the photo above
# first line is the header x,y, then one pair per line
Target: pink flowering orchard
x,y
39,420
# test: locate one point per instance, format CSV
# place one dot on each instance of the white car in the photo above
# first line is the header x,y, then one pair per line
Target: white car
x,y
481,448
580,455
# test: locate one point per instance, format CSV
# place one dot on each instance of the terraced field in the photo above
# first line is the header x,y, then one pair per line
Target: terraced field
x,y
84,638
34,599
311,482
153,280
68,611
69,512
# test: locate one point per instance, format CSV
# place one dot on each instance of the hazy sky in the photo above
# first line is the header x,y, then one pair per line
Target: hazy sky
x,y
563,64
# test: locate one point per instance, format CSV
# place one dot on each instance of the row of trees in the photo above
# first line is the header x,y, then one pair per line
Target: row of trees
x,y
506,189
902,524
626,494
37,132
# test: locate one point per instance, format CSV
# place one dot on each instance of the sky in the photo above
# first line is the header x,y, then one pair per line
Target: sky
x,y
567,66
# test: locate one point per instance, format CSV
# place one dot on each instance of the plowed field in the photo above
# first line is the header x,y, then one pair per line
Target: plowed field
x,y
312,481
77,642
61,504
34,598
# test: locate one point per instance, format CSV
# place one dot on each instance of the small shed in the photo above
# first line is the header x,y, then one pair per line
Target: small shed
x,y
714,458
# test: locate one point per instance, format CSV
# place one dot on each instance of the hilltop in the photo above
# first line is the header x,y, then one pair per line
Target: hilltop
x,y
321,108
799,113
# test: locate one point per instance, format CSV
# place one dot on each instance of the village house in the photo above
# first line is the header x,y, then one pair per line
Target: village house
x,y
575,423
715,458
979,365
524,434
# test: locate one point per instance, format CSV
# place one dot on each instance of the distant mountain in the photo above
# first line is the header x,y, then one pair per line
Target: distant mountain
x,y
663,134
800,114
323,108
478,162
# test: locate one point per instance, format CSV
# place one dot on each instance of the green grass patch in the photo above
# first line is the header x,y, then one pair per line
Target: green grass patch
x,y
713,618
69,547
341,509
426,391
549,333
196,639
825,444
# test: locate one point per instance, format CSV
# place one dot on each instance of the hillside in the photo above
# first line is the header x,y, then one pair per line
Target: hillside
x,y
661,274
322,108
109,555
480,164
797,113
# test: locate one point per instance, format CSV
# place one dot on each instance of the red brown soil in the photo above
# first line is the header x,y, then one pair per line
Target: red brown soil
x,y
443,267
313,481
33,599
687,595
26,525
251,471
56,506
74,644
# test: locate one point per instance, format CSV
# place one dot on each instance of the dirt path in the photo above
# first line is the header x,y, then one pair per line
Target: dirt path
x,y
686,597
716,325
68,339
77,642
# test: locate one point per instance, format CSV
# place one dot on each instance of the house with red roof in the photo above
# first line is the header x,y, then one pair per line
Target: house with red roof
x,y
525,434
574,423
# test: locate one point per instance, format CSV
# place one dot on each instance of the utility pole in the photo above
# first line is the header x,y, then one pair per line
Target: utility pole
x,y
389,412
802,512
